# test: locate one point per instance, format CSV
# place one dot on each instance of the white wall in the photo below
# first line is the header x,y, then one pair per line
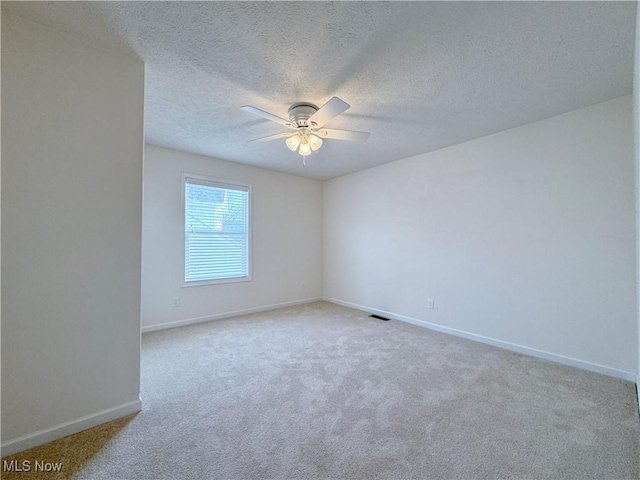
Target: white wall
x,y
72,125
286,241
636,118
526,237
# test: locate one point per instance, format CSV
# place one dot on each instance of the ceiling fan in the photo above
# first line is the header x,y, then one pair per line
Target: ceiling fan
x,y
305,124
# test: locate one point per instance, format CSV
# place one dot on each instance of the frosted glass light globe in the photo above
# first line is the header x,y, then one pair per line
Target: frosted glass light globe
x,y
292,142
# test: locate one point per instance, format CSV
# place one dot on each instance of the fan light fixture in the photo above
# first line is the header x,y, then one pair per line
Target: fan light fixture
x,y
304,141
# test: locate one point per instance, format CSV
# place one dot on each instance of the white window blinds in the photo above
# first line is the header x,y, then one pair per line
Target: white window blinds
x,y
216,230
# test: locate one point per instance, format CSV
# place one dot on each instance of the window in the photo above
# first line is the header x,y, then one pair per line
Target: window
x,y
216,230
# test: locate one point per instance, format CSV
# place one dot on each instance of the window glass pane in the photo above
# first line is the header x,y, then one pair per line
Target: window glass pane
x,y
216,231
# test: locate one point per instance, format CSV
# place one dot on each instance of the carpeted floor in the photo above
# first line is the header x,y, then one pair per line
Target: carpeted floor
x,y
321,391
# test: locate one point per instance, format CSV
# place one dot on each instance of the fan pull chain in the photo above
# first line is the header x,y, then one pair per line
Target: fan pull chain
x,y
304,160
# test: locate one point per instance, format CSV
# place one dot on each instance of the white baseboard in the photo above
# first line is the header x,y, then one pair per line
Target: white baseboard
x,y
219,316
69,428
573,362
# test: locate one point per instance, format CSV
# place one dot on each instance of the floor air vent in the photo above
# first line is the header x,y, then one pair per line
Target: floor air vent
x,y
379,317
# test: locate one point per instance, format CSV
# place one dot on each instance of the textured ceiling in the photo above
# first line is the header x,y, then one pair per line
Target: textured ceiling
x,y
418,75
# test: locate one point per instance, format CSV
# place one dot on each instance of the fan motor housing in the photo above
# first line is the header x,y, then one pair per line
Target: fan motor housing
x,y
300,113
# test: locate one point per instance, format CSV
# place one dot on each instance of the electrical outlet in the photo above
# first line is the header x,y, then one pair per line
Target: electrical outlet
x,y
176,301
430,304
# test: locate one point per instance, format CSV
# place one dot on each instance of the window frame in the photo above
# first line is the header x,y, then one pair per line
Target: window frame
x,y
220,183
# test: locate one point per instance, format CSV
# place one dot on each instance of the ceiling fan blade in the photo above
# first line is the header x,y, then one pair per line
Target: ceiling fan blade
x,y
267,115
344,135
272,137
328,111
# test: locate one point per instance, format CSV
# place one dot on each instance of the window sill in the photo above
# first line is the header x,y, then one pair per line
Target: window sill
x,y
202,283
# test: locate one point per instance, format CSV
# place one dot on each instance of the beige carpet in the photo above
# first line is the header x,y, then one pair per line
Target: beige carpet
x,y
321,391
